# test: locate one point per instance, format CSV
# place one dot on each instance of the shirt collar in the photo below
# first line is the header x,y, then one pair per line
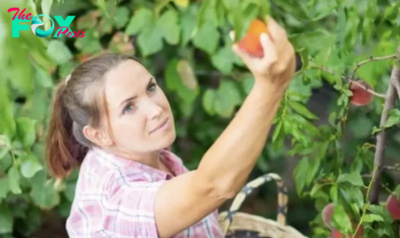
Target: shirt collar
x,y
113,161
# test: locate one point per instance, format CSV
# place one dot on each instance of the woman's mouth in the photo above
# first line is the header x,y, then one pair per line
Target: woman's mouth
x,y
164,125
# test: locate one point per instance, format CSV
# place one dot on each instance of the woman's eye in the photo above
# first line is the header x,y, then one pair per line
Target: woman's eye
x,y
152,87
128,109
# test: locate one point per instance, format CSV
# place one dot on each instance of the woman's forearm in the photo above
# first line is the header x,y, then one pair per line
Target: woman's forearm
x,y
229,161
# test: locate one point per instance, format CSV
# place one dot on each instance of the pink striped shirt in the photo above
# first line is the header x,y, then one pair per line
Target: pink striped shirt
x,y
115,198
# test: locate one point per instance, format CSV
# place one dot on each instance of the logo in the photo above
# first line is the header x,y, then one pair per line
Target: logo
x,y
20,18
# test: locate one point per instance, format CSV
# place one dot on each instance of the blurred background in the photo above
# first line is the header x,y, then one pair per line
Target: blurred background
x,y
185,44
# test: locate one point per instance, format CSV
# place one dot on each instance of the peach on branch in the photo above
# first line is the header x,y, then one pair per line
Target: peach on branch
x,y
327,213
393,206
361,96
251,41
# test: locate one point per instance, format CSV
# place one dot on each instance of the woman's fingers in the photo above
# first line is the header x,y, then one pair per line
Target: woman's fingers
x,y
276,31
270,55
242,54
232,35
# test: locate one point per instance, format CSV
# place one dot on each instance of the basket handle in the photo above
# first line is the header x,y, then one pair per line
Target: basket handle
x,y
249,188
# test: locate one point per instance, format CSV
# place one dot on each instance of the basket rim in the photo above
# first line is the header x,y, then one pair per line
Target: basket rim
x,y
267,221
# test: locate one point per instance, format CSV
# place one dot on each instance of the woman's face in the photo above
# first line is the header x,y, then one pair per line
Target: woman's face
x,y
139,112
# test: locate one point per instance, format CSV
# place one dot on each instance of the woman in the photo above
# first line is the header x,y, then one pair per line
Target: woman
x,y
111,119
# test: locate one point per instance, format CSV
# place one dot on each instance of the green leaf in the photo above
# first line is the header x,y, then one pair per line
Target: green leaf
x,y
314,164
105,27
334,192
6,219
357,165
7,123
207,38
340,219
179,78
341,28
300,175
361,127
102,5
265,8
394,118
59,52
381,211
247,84
5,163
70,191
391,11
46,197
209,97
223,60
13,179
30,166
171,75
353,195
87,21
26,131
227,98
46,6
150,41
181,3
43,78
315,189
301,109
168,25
201,14
90,43
32,6
4,188
121,17
43,192
187,75
304,57
3,152
277,130
353,178
368,218
142,19
397,191
187,22
323,9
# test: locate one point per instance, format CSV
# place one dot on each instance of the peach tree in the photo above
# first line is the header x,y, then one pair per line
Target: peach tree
x,y
344,150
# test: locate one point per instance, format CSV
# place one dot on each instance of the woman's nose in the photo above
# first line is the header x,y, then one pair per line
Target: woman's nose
x,y
152,110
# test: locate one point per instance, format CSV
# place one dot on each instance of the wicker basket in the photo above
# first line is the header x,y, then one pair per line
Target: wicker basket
x,y
237,224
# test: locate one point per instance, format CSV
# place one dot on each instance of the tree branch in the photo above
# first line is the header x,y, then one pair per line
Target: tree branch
x,y
395,167
367,89
358,65
352,81
381,137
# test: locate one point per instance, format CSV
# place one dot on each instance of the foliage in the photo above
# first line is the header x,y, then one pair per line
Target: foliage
x,y
186,45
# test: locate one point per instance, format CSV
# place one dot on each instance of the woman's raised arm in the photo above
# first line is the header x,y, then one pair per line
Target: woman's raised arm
x,y
224,169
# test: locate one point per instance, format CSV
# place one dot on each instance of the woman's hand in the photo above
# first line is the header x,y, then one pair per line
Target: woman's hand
x,y
277,67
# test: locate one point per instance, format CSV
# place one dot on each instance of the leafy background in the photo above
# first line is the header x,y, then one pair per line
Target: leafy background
x,y
186,45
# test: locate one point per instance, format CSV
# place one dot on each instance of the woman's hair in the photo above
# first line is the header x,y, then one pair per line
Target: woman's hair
x,y
78,101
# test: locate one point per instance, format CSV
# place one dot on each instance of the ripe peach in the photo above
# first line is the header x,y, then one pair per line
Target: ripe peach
x,y
327,213
393,206
251,41
338,234
361,96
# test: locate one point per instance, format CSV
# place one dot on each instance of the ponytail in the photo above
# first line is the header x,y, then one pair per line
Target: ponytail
x,y
63,152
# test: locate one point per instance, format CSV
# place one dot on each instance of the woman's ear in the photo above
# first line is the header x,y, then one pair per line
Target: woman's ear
x,y
97,136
